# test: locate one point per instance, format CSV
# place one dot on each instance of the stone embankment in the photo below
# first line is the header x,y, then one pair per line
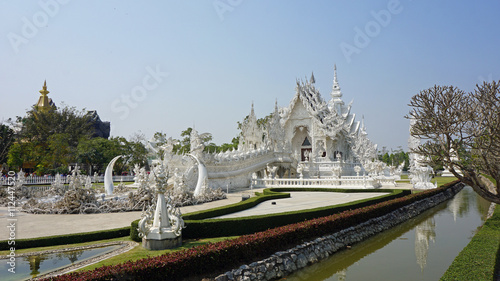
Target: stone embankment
x,y
281,264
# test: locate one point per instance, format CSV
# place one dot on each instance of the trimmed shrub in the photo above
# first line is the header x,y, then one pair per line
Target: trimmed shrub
x,y
134,232
66,239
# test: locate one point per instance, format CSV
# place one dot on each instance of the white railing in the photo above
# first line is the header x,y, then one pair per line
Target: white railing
x,y
342,182
34,180
324,168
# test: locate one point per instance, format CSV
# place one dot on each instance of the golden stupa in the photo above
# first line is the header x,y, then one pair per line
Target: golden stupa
x,y
44,102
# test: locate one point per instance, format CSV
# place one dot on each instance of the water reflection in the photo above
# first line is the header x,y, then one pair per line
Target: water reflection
x,y
35,262
35,265
424,232
419,249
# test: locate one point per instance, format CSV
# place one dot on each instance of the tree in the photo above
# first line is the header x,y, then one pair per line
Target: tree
x,y
6,140
184,146
461,131
38,126
48,139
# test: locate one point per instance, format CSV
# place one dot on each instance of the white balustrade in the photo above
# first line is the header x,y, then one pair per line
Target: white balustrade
x,y
47,180
334,182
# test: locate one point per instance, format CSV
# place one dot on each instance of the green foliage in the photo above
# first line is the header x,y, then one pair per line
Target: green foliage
x,y
6,140
49,138
478,260
134,233
395,158
98,152
66,239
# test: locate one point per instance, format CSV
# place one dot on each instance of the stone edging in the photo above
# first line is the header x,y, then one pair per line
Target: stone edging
x,y
283,263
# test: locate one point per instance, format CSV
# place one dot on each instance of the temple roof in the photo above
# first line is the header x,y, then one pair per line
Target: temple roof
x,y
333,116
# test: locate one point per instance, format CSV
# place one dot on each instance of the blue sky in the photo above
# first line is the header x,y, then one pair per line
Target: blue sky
x,y
153,66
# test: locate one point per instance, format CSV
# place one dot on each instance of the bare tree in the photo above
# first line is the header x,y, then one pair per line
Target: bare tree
x,y
462,132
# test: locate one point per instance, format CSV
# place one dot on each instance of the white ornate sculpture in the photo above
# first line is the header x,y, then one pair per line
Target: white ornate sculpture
x,y
251,133
163,229
420,173
275,132
337,171
357,169
197,144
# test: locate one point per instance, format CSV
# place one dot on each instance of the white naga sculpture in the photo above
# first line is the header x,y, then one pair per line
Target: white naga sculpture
x,y
161,225
420,173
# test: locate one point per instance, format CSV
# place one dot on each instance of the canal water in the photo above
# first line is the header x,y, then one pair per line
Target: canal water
x,y
419,249
35,265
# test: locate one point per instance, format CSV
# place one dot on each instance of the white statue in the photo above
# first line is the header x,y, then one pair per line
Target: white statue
x,y
420,173
163,229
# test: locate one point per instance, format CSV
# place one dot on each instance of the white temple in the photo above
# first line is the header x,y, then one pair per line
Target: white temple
x,y
310,139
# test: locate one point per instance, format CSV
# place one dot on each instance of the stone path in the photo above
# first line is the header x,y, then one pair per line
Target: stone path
x,y
302,201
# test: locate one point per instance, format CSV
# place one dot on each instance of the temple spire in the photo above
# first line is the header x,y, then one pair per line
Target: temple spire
x,y
312,80
336,94
43,101
335,73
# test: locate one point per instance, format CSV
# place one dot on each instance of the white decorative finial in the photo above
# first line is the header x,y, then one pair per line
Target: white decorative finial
x,y
335,73
335,88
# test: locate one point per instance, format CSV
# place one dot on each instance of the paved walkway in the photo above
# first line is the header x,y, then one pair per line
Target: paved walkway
x,y
32,226
302,201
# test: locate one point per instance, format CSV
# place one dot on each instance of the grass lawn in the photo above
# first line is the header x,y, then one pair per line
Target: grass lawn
x,y
443,180
478,260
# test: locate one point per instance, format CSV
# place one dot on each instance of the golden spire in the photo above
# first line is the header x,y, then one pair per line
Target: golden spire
x,y
43,101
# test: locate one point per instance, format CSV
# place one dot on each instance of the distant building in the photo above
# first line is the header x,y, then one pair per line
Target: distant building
x,y
101,129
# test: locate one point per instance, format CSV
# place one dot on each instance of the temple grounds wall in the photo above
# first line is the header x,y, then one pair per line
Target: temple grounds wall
x,y
283,263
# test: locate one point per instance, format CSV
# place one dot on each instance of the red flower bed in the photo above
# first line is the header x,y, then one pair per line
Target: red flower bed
x,y
210,257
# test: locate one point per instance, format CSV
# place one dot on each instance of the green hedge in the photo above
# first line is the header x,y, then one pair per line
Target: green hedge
x,y
66,239
478,260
